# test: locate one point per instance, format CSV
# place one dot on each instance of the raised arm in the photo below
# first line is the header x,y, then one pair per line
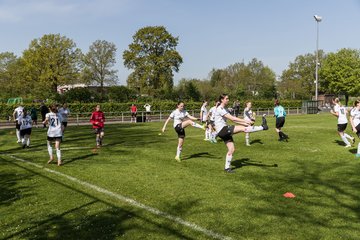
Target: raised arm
x,y
166,122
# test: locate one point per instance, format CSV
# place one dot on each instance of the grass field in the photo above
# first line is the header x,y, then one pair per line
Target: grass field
x,y
132,188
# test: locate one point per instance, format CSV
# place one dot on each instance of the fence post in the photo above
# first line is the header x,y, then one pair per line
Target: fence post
x,y
77,119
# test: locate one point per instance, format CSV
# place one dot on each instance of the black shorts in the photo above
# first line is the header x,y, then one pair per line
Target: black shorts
x,y
24,132
64,124
133,114
280,121
17,125
180,131
54,139
98,130
358,130
342,127
226,134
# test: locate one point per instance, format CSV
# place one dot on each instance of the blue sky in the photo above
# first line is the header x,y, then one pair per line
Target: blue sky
x,y
212,33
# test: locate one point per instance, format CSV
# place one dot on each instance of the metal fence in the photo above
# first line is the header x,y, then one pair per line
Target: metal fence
x,y
142,116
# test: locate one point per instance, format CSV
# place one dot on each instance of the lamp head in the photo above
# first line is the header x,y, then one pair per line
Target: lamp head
x,y
318,18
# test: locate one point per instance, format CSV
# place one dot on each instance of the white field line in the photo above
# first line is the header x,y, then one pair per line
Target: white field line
x,y
130,201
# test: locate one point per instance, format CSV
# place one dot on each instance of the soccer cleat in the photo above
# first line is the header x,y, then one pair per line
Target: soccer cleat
x,y
248,145
264,122
353,140
229,170
357,155
177,158
206,139
348,146
213,140
23,146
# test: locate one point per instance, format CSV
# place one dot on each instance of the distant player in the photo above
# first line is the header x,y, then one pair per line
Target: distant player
x,y
133,110
54,133
226,132
203,119
64,111
280,114
250,117
25,123
148,112
341,112
211,124
179,116
16,114
355,122
98,119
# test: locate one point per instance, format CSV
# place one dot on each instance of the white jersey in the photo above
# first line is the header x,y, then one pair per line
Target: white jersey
x,y
355,115
204,113
55,122
147,107
178,116
341,110
18,112
248,114
64,112
25,122
220,120
212,113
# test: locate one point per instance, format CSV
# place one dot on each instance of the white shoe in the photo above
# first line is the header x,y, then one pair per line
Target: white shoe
x,y
348,146
248,145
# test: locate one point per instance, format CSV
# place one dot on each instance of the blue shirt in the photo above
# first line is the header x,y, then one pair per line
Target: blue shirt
x,y
279,111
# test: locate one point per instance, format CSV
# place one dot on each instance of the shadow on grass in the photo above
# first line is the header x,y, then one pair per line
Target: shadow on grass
x,y
199,155
338,142
88,221
244,162
256,141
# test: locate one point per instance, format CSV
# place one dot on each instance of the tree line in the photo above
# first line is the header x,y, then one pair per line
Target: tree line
x,y
54,60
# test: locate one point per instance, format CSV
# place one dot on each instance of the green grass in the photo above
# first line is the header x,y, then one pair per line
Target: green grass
x,y
139,164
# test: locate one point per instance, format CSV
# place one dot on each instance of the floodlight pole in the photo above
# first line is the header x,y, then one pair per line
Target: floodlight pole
x,y
318,20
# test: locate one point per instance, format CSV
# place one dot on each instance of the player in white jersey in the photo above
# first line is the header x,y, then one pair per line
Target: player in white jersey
x,y
355,123
180,115
203,118
341,112
250,117
64,111
16,114
211,122
225,132
54,133
25,123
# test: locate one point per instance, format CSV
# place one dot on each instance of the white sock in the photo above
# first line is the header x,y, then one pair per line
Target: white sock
x,y
253,129
358,151
28,141
228,161
18,135
23,141
213,135
348,136
178,151
58,154
50,150
207,133
345,140
247,138
194,124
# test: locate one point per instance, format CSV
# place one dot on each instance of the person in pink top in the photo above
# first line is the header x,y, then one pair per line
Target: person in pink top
x,y
133,110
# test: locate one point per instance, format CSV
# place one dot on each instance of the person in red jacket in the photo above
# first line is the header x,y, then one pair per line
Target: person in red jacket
x,y
97,119
133,110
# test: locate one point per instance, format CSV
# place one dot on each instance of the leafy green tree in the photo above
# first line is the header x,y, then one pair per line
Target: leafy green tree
x,y
153,57
9,76
120,93
187,89
50,61
298,80
99,62
341,72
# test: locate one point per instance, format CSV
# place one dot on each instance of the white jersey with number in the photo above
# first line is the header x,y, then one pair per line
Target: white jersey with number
x,y
178,116
18,112
212,113
204,113
25,122
64,112
220,120
55,122
342,112
355,115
